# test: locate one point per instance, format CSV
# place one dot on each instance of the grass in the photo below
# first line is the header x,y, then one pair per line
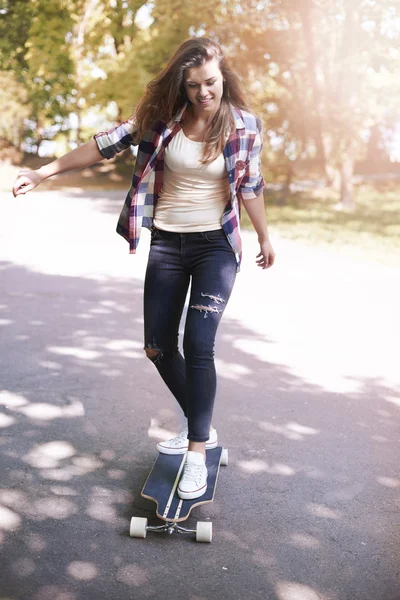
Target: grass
x,y
371,231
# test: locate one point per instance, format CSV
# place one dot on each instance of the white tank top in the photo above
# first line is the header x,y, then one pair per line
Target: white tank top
x,y
193,196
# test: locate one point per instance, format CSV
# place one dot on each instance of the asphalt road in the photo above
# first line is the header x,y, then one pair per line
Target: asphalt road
x,y
308,406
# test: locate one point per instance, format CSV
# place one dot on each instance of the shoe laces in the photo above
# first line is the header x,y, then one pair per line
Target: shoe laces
x,y
192,473
179,438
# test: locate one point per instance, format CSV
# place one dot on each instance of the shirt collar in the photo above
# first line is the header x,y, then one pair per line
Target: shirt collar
x,y
179,115
239,124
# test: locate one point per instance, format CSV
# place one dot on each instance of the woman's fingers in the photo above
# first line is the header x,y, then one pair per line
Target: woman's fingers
x,y
26,181
21,186
265,260
261,262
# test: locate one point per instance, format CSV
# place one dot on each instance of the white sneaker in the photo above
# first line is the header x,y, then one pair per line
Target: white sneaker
x,y
193,483
180,443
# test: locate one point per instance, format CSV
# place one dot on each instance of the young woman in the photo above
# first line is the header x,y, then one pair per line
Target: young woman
x,y
198,160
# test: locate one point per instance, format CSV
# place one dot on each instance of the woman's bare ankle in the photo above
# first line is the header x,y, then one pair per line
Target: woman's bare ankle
x,y
197,447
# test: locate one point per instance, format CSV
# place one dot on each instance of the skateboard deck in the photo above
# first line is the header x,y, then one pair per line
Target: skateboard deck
x,y
162,484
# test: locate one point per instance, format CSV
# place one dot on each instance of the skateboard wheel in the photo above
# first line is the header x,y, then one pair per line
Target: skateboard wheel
x,y
224,457
204,531
138,527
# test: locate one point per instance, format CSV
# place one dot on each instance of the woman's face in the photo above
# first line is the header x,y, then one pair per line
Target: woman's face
x,y
204,87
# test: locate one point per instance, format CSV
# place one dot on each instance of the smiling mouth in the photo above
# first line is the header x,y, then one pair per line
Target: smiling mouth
x,y
205,101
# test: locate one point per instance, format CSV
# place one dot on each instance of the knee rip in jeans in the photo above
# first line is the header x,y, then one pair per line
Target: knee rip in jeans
x,y
206,309
153,354
156,355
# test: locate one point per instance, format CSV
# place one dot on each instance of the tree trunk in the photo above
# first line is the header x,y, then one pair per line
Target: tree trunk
x,y
39,134
119,115
305,11
334,181
79,54
346,184
346,98
286,186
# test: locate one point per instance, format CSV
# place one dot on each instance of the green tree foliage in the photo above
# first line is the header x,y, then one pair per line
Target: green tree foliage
x,y
15,109
114,46
175,21
15,22
35,49
49,79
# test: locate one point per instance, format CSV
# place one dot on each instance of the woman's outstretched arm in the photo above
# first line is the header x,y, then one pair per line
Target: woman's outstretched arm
x,y
83,156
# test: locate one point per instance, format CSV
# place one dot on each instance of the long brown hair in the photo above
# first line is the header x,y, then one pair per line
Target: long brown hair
x,y
165,94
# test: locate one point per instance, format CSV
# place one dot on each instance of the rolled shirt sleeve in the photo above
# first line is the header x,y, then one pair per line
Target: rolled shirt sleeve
x,y
253,183
117,139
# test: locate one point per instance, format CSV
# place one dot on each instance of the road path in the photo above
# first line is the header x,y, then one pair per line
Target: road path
x,y
308,405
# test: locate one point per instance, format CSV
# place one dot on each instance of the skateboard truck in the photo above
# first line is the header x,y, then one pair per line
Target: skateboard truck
x,y
171,528
139,529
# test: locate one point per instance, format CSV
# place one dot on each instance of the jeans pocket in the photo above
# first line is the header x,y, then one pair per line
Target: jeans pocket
x,y
154,233
215,235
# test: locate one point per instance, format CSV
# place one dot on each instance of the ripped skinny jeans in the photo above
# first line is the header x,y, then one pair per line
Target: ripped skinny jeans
x,y
206,262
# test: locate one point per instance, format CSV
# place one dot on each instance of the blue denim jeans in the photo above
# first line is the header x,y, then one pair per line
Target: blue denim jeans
x,y
207,262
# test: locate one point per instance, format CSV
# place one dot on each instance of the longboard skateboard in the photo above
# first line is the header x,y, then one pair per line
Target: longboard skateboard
x,y
161,487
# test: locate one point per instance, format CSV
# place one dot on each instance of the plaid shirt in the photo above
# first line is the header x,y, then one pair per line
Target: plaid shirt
x,y
242,161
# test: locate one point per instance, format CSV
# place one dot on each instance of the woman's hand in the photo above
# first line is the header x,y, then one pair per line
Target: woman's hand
x,y
266,256
26,181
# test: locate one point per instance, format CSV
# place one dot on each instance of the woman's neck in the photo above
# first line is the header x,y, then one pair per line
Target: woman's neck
x,y
200,120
